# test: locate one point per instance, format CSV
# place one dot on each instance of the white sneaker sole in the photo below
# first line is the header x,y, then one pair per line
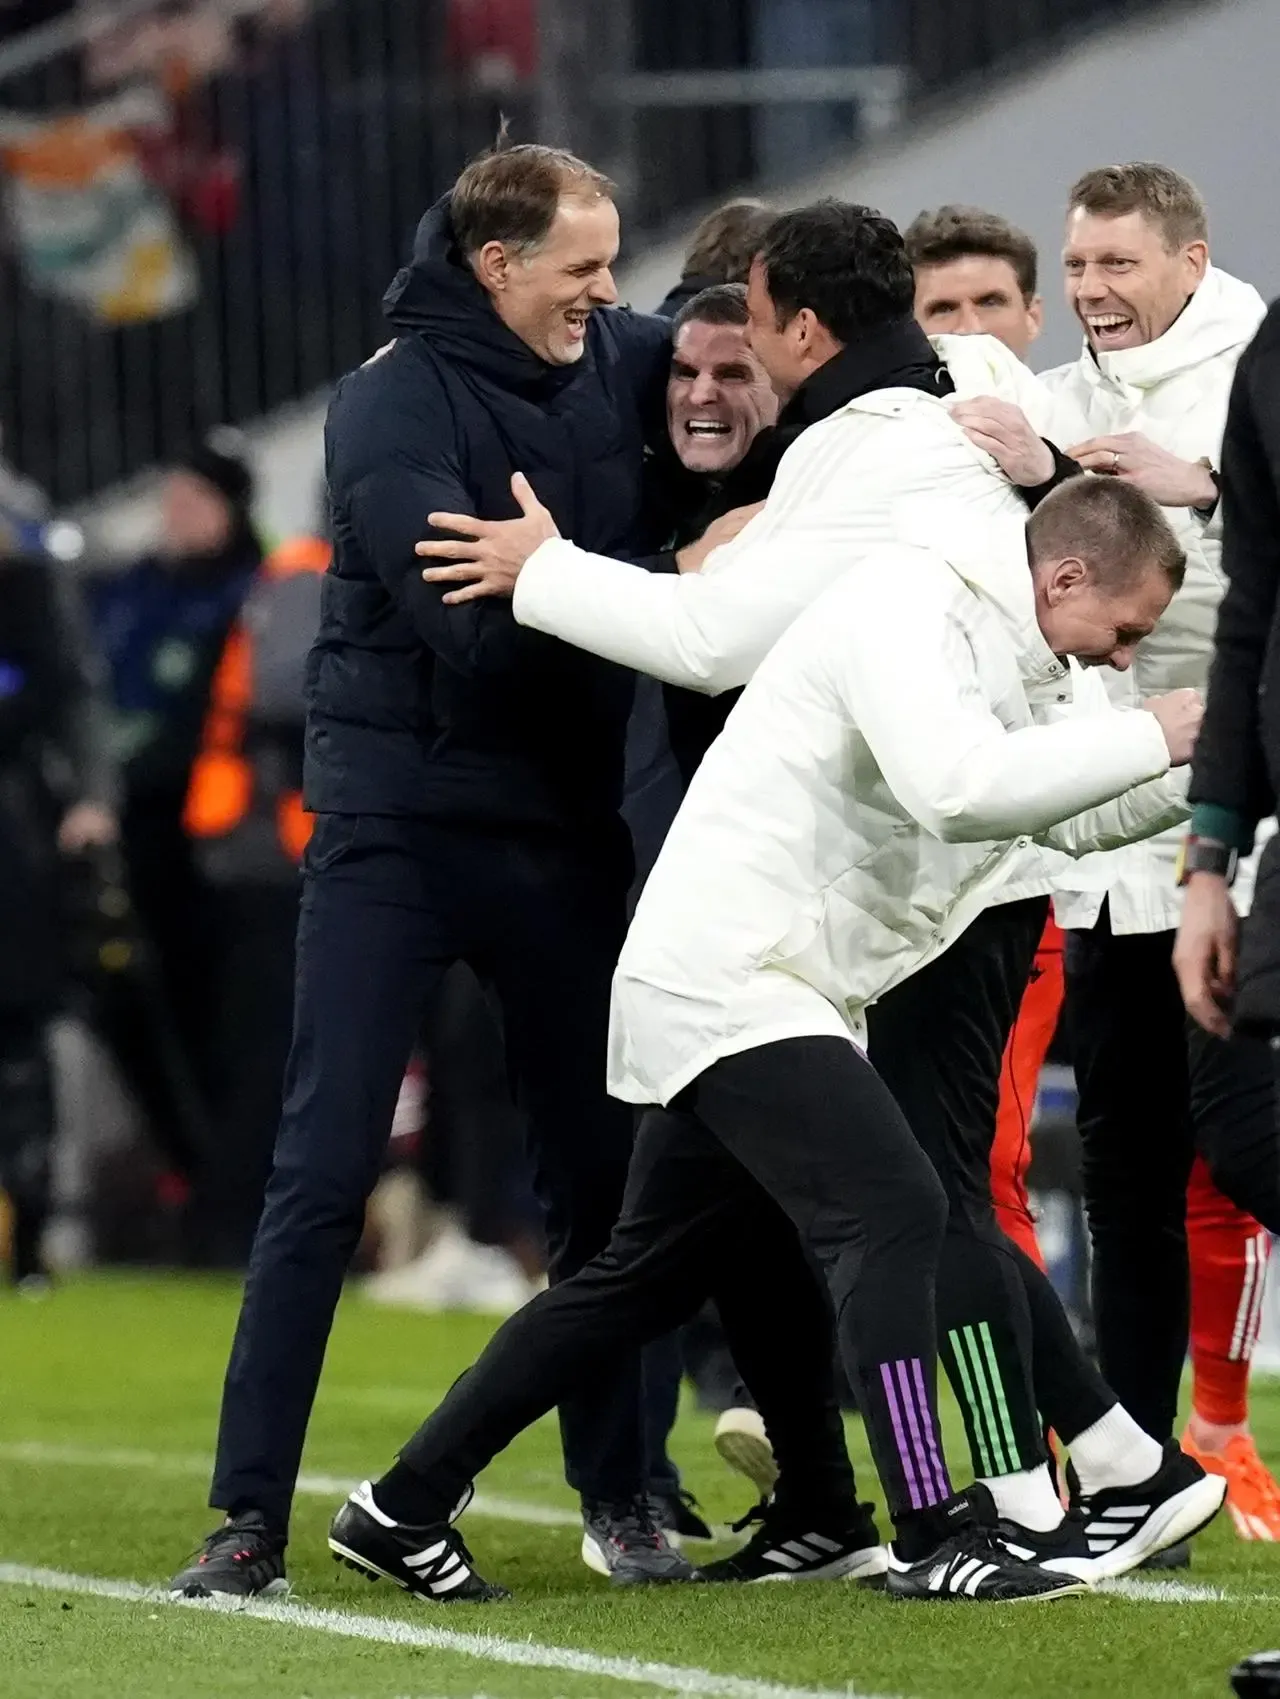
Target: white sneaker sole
x,y
741,1442
869,1564
1178,1518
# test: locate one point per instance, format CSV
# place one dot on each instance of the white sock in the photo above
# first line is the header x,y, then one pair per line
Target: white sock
x,y
1114,1452
1028,1498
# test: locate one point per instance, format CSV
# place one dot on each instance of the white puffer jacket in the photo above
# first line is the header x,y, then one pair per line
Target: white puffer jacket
x,y
857,812
1174,391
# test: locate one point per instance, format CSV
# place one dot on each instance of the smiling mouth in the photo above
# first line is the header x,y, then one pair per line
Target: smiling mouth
x,y
576,319
1108,327
706,428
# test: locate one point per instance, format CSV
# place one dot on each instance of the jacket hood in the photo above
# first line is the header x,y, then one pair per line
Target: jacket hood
x,y
1223,314
436,296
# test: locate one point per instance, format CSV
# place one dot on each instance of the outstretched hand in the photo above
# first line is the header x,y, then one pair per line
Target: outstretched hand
x,y
490,553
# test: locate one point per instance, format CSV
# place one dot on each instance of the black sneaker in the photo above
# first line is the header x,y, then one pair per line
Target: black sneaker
x,y
243,1559
1063,1550
1257,1677
432,1562
624,1542
789,1548
680,1517
975,1564
1127,1525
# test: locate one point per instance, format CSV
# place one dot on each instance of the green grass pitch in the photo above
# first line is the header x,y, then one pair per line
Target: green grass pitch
x,y
108,1399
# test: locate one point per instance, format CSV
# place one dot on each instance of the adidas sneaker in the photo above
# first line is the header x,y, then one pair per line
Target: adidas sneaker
x,y
431,1562
787,1548
1127,1525
975,1564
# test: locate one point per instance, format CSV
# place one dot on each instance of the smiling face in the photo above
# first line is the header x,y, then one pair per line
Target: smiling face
x,y
1123,283
718,396
977,293
547,295
1100,625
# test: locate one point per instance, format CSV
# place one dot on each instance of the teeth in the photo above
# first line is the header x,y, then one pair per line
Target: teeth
x,y
1108,321
706,428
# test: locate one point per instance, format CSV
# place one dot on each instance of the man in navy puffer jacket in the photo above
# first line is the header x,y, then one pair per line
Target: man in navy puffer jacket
x,y
466,777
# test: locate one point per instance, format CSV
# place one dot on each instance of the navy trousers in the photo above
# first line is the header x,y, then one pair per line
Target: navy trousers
x,y
388,904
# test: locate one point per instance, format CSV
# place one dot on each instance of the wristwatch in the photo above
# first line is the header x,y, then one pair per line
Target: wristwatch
x,y
1206,513
1206,855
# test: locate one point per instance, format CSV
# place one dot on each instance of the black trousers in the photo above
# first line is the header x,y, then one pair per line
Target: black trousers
x,y
938,1040
1155,1090
26,1132
387,906
800,1135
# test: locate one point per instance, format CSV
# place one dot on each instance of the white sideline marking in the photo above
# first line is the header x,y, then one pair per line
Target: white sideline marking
x,y
491,1648
310,1486
1172,1592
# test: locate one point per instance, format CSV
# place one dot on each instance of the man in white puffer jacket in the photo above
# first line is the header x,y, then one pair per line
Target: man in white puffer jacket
x,y
1163,330
856,810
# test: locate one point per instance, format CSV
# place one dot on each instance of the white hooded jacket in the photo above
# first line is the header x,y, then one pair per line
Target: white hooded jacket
x,y
860,809
1174,391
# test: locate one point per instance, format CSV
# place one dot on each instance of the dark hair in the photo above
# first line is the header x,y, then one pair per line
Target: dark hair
x,y
723,303
1114,527
727,241
848,264
510,194
1162,195
956,232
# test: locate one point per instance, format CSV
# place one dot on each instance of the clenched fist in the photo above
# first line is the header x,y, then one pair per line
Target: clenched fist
x,y
1179,714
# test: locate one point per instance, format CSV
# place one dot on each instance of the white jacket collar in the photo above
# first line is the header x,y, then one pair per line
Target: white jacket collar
x,y
1221,315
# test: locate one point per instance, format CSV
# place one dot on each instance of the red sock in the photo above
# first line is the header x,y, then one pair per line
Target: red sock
x,y
1229,1254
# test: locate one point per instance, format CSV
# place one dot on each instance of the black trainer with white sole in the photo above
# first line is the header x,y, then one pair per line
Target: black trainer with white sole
x,y
244,1559
431,1562
787,1547
1063,1550
1127,1525
974,1564
626,1543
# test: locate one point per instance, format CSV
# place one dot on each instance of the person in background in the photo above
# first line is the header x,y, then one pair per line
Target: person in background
x,y
1163,329
975,272
57,799
244,815
720,252
162,626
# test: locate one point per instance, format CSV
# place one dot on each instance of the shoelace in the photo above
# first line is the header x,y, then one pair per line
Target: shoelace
x,y
757,1513
254,1544
634,1524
